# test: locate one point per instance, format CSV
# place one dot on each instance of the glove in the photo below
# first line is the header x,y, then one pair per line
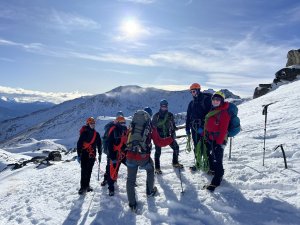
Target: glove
x,y
78,159
99,159
200,131
188,132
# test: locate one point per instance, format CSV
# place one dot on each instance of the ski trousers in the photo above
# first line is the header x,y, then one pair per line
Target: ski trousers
x,y
132,168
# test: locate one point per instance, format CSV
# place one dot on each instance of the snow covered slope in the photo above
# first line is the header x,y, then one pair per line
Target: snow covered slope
x,y
64,120
249,194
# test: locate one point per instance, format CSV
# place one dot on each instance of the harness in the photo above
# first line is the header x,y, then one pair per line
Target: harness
x,y
88,146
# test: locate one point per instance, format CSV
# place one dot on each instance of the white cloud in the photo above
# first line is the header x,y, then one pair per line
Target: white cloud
x,y
23,95
69,22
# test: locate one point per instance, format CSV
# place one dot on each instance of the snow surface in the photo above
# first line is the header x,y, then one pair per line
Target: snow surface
x,y
249,194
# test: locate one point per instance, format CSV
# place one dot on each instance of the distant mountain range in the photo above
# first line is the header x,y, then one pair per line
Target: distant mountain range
x,y
64,120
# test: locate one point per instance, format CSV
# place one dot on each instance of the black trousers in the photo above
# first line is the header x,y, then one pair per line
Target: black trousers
x,y
87,164
157,154
215,157
110,181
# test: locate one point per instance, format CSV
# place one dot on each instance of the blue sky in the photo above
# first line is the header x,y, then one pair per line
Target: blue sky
x,y
93,46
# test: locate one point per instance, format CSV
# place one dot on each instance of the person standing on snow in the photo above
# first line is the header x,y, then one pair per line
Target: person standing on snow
x,y
215,131
139,155
107,127
164,122
88,141
117,139
196,112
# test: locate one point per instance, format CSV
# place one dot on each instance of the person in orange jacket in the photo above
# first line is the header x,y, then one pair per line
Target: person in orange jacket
x,y
215,132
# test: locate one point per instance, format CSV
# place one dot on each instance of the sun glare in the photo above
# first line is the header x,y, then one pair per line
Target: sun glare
x,y
131,28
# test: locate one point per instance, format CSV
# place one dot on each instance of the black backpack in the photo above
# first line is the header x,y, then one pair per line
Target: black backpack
x,y
140,133
105,144
54,156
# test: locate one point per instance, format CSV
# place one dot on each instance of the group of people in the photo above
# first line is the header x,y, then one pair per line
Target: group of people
x,y
207,122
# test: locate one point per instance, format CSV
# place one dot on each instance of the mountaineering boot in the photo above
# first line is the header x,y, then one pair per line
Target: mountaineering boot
x,y
103,183
210,187
177,165
133,207
89,189
158,171
81,191
211,172
193,168
111,193
153,192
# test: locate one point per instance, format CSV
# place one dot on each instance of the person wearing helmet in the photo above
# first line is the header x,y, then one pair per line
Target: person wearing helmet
x,y
215,130
116,144
88,141
164,122
148,110
196,112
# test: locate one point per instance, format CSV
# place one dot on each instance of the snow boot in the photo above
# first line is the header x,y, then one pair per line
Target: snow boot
x,y
81,191
158,171
133,207
152,193
210,187
177,165
89,189
111,193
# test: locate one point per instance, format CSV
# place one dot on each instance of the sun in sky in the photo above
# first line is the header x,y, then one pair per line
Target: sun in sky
x,y
131,29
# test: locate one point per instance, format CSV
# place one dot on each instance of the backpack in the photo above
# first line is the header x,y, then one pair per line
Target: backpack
x,y
106,134
234,126
140,132
54,156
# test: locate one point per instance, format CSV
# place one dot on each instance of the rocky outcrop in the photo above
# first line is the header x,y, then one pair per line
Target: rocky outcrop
x,y
284,75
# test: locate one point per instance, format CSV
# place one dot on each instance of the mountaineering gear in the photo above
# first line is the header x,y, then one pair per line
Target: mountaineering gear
x,y
164,129
196,112
139,137
120,113
87,144
81,191
120,119
152,193
132,168
133,207
158,171
219,94
234,124
163,102
177,165
195,86
89,189
111,193
108,128
90,120
149,111
116,144
209,187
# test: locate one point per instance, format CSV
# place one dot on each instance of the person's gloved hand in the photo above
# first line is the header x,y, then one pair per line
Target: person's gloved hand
x,y
99,159
78,159
200,131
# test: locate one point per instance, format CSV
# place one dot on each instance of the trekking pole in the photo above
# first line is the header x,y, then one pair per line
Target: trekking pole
x,y
182,191
230,146
265,112
98,171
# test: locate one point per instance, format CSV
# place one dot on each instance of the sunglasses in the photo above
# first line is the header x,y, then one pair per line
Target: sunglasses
x,y
217,99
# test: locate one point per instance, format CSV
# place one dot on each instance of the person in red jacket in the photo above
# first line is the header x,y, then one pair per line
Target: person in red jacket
x,y
215,131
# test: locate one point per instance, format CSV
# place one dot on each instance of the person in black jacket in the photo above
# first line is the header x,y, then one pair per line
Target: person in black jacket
x,y
117,139
164,121
196,112
88,141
